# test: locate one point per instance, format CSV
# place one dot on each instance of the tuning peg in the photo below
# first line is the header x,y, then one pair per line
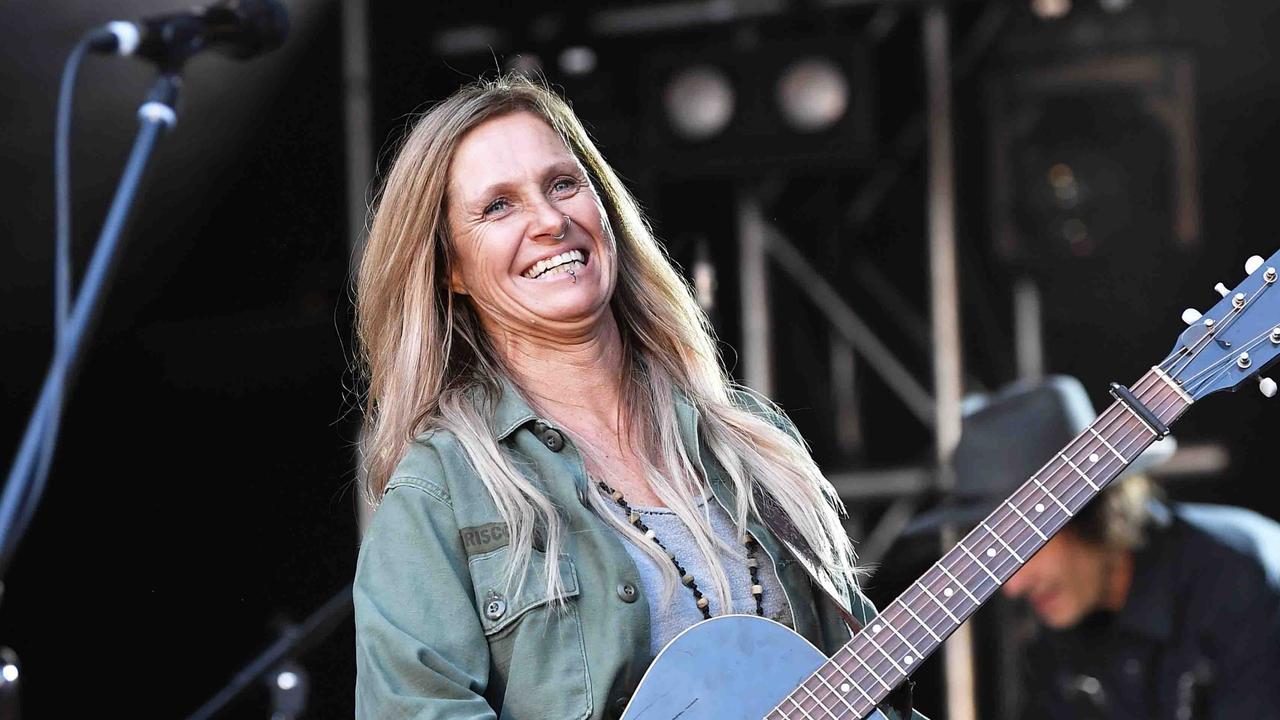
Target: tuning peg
x,y
1222,289
1190,316
1253,263
1267,386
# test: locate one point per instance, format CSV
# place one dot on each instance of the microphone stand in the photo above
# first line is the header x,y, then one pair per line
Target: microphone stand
x,y
158,113
295,640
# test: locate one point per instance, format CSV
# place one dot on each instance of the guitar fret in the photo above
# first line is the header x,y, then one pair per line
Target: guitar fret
x,y
979,562
1182,394
837,693
848,679
1103,440
815,699
1081,473
916,653
1006,545
1027,520
926,627
938,602
1053,497
893,662
830,694
853,682
956,580
874,674
792,701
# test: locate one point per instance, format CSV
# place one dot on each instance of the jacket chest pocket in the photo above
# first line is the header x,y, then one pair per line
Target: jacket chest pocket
x,y
538,665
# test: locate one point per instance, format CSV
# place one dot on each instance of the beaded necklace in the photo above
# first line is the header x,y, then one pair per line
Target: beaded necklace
x,y
753,566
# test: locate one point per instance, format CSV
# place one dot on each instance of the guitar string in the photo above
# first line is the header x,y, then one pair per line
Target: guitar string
x,y
1224,364
824,698
1006,509
1006,520
925,582
1006,516
925,585
1005,524
1027,528
1232,315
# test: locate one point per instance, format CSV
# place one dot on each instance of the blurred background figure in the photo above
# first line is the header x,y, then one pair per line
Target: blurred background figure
x,y
1144,608
1155,609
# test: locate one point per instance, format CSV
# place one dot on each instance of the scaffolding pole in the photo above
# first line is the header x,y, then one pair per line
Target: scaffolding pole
x,y
357,115
753,287
945,316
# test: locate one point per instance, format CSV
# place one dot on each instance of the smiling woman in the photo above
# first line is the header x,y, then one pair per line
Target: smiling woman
x,y
527,229
565,476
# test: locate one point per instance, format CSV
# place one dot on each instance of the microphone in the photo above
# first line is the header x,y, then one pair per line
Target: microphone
x,y
239,28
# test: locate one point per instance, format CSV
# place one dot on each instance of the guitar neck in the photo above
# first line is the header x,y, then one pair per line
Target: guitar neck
x,y
883,654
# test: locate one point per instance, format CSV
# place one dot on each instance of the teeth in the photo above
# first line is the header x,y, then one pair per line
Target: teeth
x,y
543,266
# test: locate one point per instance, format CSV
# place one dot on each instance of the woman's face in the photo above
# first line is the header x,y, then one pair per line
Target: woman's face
x,y
527,269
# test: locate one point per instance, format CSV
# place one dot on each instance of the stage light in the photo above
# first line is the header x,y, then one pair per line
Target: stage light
x,y
699,102
726,110
9,672
1066,191
813,94
577,60
287,680
1050,9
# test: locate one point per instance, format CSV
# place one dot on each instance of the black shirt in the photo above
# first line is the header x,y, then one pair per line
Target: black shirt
x,y
1198,636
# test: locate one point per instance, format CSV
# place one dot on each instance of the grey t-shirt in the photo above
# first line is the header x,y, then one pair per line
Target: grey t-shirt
x,y
669,618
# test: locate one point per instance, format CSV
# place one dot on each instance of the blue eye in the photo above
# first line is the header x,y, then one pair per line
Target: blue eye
x,y
564,185
496,206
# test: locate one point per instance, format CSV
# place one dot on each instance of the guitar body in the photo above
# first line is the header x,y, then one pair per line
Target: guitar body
x,y
731,667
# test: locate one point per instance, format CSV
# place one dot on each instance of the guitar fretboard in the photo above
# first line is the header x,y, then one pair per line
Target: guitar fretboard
x,y
888,649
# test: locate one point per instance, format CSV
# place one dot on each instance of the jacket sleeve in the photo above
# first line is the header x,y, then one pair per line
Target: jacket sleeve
x,y
420,648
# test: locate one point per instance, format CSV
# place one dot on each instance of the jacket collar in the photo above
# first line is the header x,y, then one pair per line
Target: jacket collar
x,y
510,410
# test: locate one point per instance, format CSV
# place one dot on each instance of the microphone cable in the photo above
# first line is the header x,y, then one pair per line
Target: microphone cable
x,y
16,511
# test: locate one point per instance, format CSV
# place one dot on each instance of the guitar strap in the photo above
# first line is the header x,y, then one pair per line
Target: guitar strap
x,y
774,518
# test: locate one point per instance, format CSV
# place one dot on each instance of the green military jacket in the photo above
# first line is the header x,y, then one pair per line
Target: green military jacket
x,y
439,635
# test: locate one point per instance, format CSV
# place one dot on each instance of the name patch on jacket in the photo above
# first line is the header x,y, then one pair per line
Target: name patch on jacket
x,y
485,538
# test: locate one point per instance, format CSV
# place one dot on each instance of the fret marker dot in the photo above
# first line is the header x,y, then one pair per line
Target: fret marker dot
x,y
845,688
991,552
1093,457
948,592
875,628
908,659
1039,507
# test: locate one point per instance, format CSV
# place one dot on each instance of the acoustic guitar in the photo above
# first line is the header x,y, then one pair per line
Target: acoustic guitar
x,y
744,666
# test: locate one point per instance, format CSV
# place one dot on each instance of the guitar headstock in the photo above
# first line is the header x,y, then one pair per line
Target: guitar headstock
x,y
1235,339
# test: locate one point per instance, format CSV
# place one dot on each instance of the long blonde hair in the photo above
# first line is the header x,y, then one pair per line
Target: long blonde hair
x,y
429,365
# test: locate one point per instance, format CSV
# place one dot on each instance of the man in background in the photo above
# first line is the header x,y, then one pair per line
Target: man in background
x,y
1146,609
1154,610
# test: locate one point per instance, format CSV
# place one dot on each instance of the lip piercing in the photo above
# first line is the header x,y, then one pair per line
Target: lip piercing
x,y
573,275
564,229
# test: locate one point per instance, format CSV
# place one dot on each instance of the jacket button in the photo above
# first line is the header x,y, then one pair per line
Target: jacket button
x,y
620,704
494,606
627,592
552,439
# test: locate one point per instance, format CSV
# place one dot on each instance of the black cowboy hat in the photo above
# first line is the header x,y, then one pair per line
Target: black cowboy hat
x,y
1006,436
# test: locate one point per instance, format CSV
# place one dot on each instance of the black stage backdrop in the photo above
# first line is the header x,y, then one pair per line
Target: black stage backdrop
x,y
202,494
